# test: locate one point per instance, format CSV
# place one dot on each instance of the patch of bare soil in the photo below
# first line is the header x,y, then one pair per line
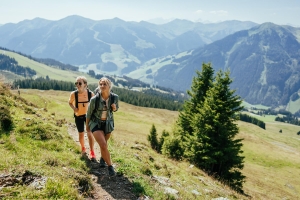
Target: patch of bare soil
x,y
104,186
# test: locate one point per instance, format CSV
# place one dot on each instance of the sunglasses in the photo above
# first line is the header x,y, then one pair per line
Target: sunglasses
x,y
78,83
104,84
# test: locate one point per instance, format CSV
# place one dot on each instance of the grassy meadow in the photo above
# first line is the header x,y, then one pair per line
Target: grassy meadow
x,y
272,164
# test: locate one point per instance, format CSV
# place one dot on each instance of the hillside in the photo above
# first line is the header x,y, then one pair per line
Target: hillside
x,y
43,70
271,158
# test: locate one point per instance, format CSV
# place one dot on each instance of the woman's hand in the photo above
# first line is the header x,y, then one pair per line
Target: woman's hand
x,y
113,107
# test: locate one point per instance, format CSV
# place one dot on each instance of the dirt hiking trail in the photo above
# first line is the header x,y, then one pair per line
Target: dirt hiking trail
x,y
104,186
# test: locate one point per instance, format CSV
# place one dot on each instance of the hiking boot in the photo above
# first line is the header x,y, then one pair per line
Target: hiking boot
x,y
92,156
111,171
102,163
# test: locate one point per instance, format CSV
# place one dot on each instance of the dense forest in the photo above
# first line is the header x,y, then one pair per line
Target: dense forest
x,y
147,98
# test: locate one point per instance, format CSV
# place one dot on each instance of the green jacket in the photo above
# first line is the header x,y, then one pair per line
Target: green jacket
x,y
95,115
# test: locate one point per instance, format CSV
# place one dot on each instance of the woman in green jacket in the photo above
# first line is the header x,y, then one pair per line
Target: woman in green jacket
x,y
100,119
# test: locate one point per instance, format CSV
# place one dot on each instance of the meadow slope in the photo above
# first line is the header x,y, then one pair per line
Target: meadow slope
x,y
272,164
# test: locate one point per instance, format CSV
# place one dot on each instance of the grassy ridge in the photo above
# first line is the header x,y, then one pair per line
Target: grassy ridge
x,y
43,70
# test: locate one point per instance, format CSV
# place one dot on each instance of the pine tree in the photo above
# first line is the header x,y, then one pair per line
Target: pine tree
x,y
214,147
162,140
152,138
200,85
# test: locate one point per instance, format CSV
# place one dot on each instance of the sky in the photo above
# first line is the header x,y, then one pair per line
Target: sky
x,y
281,12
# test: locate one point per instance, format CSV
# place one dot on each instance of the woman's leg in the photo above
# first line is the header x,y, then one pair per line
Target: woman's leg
x,y
91,140
101,140
81,140
80,128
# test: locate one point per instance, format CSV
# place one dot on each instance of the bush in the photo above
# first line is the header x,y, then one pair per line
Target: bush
x,y
172,148
5,118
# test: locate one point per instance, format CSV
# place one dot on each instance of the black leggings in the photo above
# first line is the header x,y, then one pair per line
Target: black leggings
x,y
80,121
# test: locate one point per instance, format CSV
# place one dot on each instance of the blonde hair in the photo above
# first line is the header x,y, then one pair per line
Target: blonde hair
x,y
82,78
107,81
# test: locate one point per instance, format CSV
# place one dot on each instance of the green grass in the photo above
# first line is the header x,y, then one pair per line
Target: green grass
x,y
34,145
44,70
293,106
271,158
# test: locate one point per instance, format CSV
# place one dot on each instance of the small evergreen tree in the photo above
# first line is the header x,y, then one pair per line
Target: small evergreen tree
x,y
152,138
200,85
162,140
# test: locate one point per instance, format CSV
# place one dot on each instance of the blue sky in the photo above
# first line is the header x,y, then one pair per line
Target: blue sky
x,y
280,12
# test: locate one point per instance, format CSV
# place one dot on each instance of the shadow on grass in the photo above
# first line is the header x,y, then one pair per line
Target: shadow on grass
x,y
119,187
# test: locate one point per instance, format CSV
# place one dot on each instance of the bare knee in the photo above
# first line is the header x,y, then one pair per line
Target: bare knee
x,y
103,145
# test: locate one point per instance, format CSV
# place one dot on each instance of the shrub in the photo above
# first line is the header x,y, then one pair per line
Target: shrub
x,y
172,148
5,118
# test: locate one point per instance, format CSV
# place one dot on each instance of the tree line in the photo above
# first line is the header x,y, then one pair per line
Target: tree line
x,y
287,117
10,64
152,99
253,120
44,84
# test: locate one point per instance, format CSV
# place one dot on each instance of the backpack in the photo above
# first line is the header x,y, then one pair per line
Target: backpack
x,y
76,98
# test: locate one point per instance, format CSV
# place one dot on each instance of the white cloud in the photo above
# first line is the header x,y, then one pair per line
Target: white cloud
x,y
199,11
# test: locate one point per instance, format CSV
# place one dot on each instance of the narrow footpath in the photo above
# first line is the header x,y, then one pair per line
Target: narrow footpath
x,y
105,187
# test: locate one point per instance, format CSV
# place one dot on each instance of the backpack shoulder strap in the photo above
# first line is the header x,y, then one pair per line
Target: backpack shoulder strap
x,y
96,103
112,98
76,98
89,95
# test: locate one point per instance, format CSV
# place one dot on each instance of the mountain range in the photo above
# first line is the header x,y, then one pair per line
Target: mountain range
x,y
113,46
264,62
263,58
